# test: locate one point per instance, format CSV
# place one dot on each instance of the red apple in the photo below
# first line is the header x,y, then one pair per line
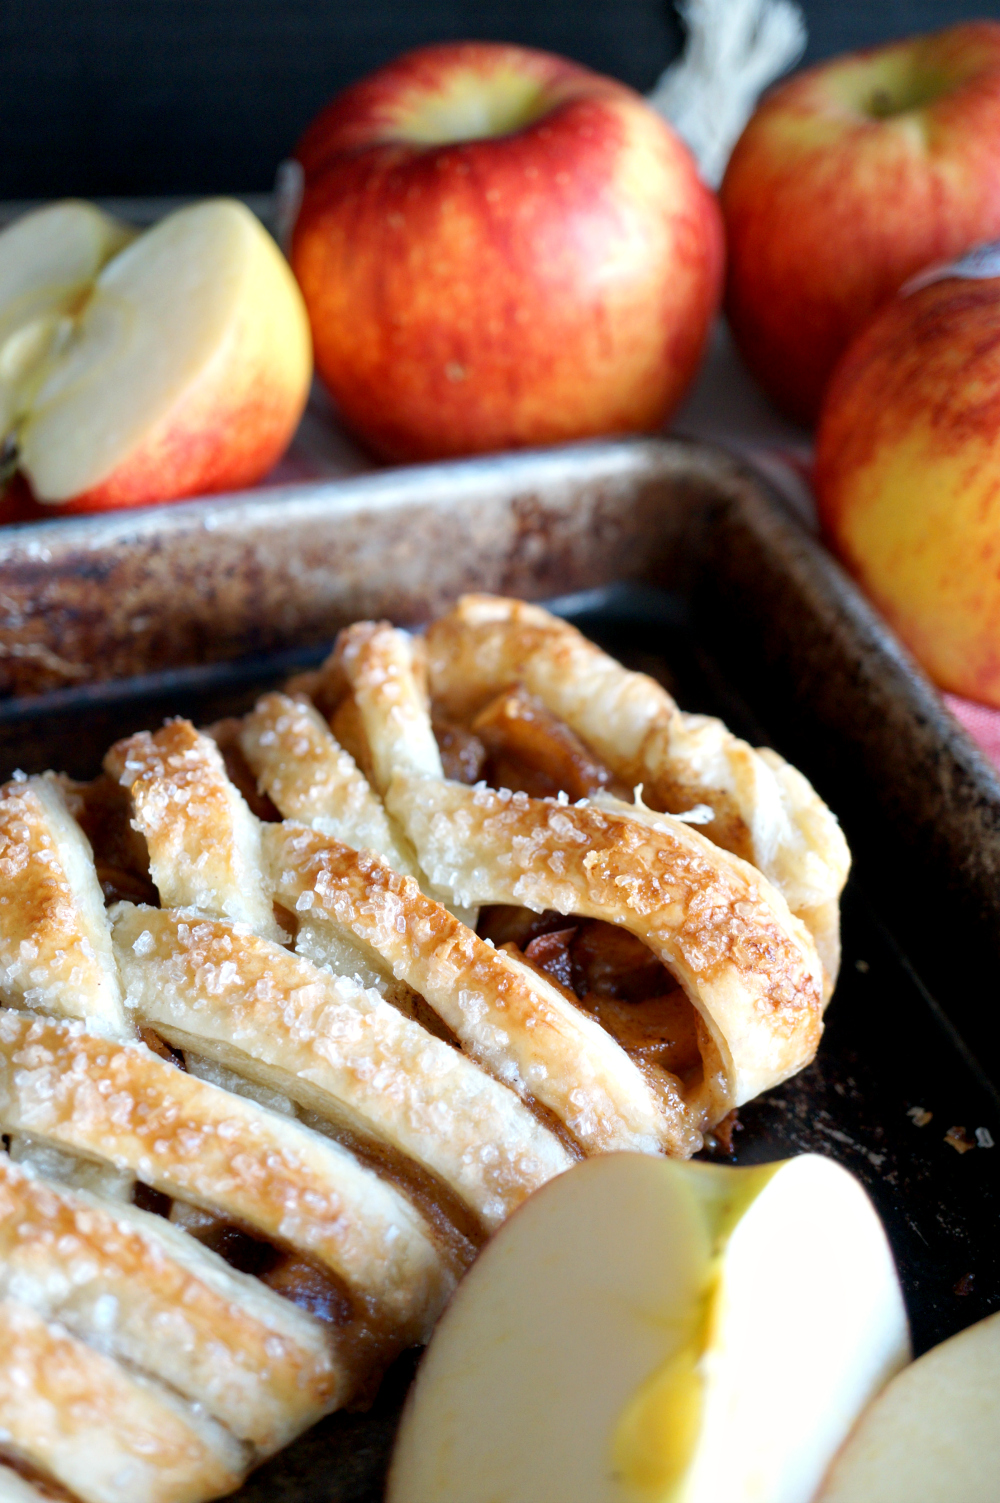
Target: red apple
x,y
908,476
500,248
178,366
847,180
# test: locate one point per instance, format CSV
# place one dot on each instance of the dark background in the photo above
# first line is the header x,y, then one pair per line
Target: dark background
x,y
102,97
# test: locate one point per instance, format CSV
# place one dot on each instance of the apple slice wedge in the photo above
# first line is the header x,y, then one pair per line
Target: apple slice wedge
x,y
48,262
933,1434
646,1329
186,371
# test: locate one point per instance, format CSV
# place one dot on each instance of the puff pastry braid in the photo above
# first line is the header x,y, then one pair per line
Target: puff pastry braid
x,y
268,1075
764,809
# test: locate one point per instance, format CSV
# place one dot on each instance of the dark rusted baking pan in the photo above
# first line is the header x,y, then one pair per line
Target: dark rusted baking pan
x,y
680,562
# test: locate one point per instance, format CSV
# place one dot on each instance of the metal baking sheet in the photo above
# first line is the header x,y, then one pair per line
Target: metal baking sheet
x,y
889,1046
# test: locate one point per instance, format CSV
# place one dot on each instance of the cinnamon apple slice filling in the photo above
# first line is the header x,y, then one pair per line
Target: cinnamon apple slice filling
x,y
615,977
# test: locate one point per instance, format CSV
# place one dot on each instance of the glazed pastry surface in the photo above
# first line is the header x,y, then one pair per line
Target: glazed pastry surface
x,y
296,1009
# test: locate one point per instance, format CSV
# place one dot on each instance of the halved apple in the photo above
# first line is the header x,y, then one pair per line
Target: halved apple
x,y
48,262
646,1329
186,370
933,1434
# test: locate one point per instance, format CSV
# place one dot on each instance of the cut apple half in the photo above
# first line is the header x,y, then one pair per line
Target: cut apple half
x,y
185,370
650,1331
933,1434
48,262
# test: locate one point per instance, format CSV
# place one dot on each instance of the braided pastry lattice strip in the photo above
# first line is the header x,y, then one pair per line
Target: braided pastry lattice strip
x,y
204,844
765,810
147,1294
335,1049
746,963
189,1139
513,1021
55,945
107,1435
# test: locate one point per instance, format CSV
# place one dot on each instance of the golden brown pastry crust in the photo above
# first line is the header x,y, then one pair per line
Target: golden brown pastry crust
x,y
190,1139
107,1435
311,778
726,934
337,1050
128,1283
281,1102
55,945
204,844
747,964
764,809
518,1026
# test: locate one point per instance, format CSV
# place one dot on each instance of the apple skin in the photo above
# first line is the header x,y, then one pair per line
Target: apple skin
x,y
224,437
550,281
234,412
908,476
227,431
830,207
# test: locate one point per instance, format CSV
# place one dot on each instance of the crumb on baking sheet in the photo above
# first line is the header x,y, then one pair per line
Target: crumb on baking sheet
x,y
984,1138
919,1115
955,1137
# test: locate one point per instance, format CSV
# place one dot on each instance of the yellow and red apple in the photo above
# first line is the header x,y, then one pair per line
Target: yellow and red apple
x,y
908,476
177,366
849,178
500,248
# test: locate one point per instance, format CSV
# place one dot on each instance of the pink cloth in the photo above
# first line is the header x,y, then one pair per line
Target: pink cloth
x,y
981,722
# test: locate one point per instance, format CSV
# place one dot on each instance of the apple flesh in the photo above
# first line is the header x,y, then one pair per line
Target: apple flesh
x,y
908,476
499,248
932,1434
847,180
649,1329
48,262
185,369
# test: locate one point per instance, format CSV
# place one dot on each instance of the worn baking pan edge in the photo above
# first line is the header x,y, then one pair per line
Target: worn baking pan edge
x,y
282,570
849,705
110,596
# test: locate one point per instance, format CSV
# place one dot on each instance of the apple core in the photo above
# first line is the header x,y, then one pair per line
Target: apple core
x,y
474,107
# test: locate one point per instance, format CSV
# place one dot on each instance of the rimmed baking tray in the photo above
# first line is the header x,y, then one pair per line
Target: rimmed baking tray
x,y
681,562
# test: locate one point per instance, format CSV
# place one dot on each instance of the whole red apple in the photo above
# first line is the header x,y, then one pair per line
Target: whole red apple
x,y
847,180
908,476
500,248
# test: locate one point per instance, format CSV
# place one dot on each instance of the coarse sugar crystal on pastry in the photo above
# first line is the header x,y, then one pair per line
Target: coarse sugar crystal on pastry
x,y
748,966
296,1009
764,809
203,842
336,1049
170,1308
107,1435
55,945
508,1017
191,1140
